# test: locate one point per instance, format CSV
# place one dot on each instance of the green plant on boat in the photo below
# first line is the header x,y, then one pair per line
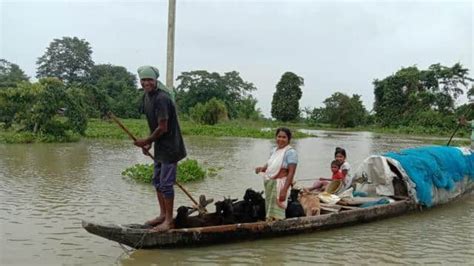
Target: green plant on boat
x,y
188,170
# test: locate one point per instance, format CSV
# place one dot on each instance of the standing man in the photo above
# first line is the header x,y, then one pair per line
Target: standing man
x,y
169,147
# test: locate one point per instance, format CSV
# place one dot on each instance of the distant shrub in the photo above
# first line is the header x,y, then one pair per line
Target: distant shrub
x,y
209,113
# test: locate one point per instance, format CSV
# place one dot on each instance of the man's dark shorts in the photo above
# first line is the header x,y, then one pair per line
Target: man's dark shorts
x,y
164,177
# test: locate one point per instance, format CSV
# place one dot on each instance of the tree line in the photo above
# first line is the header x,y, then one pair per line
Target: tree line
x,y
71,88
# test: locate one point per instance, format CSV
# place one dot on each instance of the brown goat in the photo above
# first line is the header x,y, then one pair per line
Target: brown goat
x,y
310,203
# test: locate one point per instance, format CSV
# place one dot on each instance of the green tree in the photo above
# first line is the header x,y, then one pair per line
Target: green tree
x,y
201,86
209,113
246,108
408,95
37,108
470,93
313,116
10,74
113,88
344,111
68,59
285,102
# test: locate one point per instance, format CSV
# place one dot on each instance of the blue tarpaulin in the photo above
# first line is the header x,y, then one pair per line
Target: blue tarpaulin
x,y
438,166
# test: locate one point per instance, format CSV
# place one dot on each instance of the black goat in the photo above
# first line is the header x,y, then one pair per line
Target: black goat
x,y
183,220
243,212
257,202
225,210
294,208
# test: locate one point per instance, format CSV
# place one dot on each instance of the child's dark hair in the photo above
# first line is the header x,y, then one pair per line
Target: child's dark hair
x,y
336,163
341,151
286,130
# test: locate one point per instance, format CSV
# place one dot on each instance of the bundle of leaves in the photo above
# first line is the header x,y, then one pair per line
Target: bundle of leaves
x,y
188,171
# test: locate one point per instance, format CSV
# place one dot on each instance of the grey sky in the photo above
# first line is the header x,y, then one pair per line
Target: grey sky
x,y
334,46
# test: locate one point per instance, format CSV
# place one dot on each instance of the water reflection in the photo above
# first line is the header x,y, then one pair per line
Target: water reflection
x,y
46,189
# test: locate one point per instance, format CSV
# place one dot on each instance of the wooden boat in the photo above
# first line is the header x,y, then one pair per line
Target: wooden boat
x,y
139,236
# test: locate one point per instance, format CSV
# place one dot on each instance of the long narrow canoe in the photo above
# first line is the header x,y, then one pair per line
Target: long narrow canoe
x,y
451,164
139,236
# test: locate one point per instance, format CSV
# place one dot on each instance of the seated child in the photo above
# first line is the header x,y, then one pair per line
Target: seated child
x,y
340,156
322,183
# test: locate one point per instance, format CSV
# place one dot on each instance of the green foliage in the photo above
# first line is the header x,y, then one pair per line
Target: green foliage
x,y
10,136
112,88
342,111
470,93
10,74
37,107
209,113
188,171
98,128
315,116
285,102
408,95
140,172
68,59
17,137
75,110
201,86
466,110
14,102
246,109
98,103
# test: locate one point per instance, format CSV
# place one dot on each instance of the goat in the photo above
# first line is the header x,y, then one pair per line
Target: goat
x,y
243,212
310,203
225,210
257,202
294,208
183,220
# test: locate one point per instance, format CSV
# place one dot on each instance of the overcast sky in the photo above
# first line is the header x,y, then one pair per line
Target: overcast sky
x,y
334,45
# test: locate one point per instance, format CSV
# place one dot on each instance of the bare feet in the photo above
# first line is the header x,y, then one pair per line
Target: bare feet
x,y
162,227
156,221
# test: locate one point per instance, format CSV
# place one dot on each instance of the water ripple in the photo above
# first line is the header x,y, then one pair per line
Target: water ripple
x,y
42,206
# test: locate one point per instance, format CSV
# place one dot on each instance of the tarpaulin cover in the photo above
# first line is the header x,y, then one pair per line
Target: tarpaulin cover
x,y
438,166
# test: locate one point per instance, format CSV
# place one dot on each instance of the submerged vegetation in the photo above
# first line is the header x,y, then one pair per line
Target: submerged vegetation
x,y
188,171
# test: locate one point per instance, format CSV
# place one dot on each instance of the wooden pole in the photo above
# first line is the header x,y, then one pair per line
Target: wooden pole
x,y
170,50
468,109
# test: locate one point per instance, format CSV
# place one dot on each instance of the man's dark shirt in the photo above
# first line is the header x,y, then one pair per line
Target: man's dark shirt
x,y
169,147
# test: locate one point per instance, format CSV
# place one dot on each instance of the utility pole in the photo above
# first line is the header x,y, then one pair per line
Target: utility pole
x,y
170,50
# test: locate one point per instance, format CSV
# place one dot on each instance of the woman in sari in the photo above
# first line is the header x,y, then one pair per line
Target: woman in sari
x,y
278,175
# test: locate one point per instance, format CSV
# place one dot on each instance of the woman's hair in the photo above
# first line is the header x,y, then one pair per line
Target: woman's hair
x,y
341,151
336,163
286,130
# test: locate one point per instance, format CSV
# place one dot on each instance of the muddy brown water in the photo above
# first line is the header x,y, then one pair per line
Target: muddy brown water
x,y
47,189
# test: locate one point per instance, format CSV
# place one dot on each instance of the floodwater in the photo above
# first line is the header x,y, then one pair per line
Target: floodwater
x,y
47,189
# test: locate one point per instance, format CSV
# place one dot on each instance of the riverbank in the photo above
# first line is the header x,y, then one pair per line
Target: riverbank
x,y
102,129
235,128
